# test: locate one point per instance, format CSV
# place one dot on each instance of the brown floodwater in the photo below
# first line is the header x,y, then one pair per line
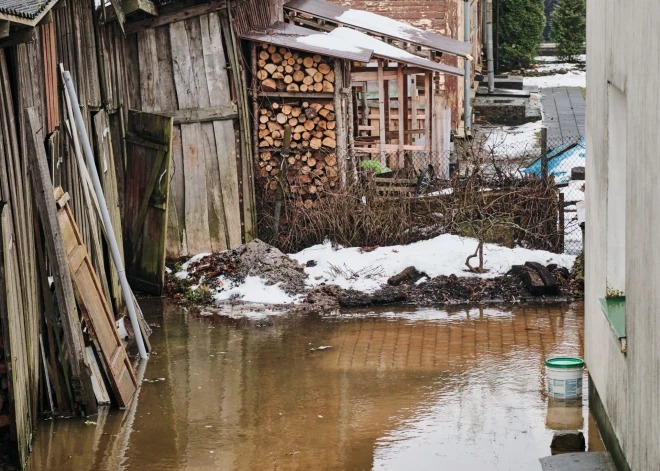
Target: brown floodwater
x,y
410,389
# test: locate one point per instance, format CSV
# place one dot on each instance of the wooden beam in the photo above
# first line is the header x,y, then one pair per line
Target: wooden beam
x,y
388,147
4,28
372,76
26,36
427,112
202,115
43,195
402,116
146,6
47,19
178,15
381,113
395,70
308,96
414,123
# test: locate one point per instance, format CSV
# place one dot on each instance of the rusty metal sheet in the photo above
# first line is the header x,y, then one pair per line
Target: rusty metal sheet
x,y
378,24
295,37
96,311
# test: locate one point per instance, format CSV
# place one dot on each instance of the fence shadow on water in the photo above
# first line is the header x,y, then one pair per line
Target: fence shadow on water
x,y
500,192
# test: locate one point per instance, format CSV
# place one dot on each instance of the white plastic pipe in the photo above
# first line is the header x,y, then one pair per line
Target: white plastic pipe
x,y
112,241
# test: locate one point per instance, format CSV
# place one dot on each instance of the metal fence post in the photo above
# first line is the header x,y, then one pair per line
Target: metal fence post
x,y
544,154
562,224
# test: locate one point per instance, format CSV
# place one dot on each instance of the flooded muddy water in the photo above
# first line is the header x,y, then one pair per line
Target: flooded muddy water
x,y
396,390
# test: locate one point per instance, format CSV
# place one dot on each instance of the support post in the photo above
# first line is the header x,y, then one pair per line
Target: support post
x,y
414,123
381,114
403,111
544,154
428,107
105,216
489,51
467,63
365,106
440,137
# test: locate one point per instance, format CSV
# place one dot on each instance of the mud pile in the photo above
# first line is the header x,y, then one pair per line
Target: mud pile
x,y
256,258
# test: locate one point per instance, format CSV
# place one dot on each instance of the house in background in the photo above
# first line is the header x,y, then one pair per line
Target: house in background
x,y
622,325
442,17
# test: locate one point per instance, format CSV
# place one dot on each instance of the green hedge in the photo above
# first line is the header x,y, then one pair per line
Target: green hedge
x,y
569,28
520,30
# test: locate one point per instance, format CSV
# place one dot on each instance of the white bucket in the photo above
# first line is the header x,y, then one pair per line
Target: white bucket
x,y
564,377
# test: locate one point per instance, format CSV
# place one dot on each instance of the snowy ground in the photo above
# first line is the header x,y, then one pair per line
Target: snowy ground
x,y
443,255
354,268
513,140
572,78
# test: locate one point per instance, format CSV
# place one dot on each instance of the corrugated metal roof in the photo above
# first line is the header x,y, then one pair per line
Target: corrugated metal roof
x,y
28,9
304,39
387,51
378,24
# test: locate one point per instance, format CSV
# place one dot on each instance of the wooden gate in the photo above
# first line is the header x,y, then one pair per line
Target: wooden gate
x,y
95,308
149,150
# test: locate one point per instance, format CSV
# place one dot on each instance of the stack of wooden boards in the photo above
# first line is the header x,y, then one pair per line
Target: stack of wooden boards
x,y
305,162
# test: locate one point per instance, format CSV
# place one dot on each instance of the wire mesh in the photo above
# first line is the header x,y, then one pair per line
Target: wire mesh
x,y
504,191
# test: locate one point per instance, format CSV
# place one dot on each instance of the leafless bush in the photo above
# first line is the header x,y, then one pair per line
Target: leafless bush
x,y
486,197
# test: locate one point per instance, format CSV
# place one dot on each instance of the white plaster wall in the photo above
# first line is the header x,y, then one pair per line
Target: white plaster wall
x,y
623,47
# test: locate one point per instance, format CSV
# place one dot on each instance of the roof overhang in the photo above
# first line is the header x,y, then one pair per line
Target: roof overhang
x,y
391,53
379,25
28,20
296,37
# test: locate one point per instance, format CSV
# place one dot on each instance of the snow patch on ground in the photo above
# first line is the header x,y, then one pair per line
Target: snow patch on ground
x,y
351,268
183,273
506,140
574,78
253,290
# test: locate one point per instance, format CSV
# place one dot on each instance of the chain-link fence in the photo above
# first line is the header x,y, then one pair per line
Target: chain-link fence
x,y
495,189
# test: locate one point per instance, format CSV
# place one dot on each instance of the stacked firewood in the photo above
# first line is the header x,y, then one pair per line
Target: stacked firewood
x,y
312,125
309,166
281,70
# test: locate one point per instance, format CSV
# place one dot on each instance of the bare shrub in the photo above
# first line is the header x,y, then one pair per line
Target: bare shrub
x,y
487,197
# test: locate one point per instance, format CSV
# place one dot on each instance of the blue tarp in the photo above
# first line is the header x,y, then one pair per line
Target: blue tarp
x,y
561,160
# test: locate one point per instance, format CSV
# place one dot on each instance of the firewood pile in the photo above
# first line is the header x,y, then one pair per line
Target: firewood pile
x,y
281,70
304,165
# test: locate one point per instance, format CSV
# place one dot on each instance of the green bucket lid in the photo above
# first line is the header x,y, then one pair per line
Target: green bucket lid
x,y
564,362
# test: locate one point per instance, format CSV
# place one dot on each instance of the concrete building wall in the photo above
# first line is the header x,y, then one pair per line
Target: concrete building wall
x,y
623,49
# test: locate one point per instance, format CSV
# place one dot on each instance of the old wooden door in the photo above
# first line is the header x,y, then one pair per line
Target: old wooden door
x,y
95,307
149,149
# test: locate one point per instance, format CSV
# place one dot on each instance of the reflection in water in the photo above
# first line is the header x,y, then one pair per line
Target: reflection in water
x,y
453,390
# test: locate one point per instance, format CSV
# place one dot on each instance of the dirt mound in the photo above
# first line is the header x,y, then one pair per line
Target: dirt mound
x,y
256,258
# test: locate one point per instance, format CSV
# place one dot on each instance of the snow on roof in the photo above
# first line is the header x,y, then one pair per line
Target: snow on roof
x,y
388,51
381,25
321,40
373,22
305,39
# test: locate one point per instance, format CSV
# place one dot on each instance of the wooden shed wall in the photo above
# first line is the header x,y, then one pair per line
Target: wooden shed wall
x,y
29,77
183,66
440,16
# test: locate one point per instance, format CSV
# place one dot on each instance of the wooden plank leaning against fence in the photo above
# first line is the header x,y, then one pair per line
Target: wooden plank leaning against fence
x,y
43,193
